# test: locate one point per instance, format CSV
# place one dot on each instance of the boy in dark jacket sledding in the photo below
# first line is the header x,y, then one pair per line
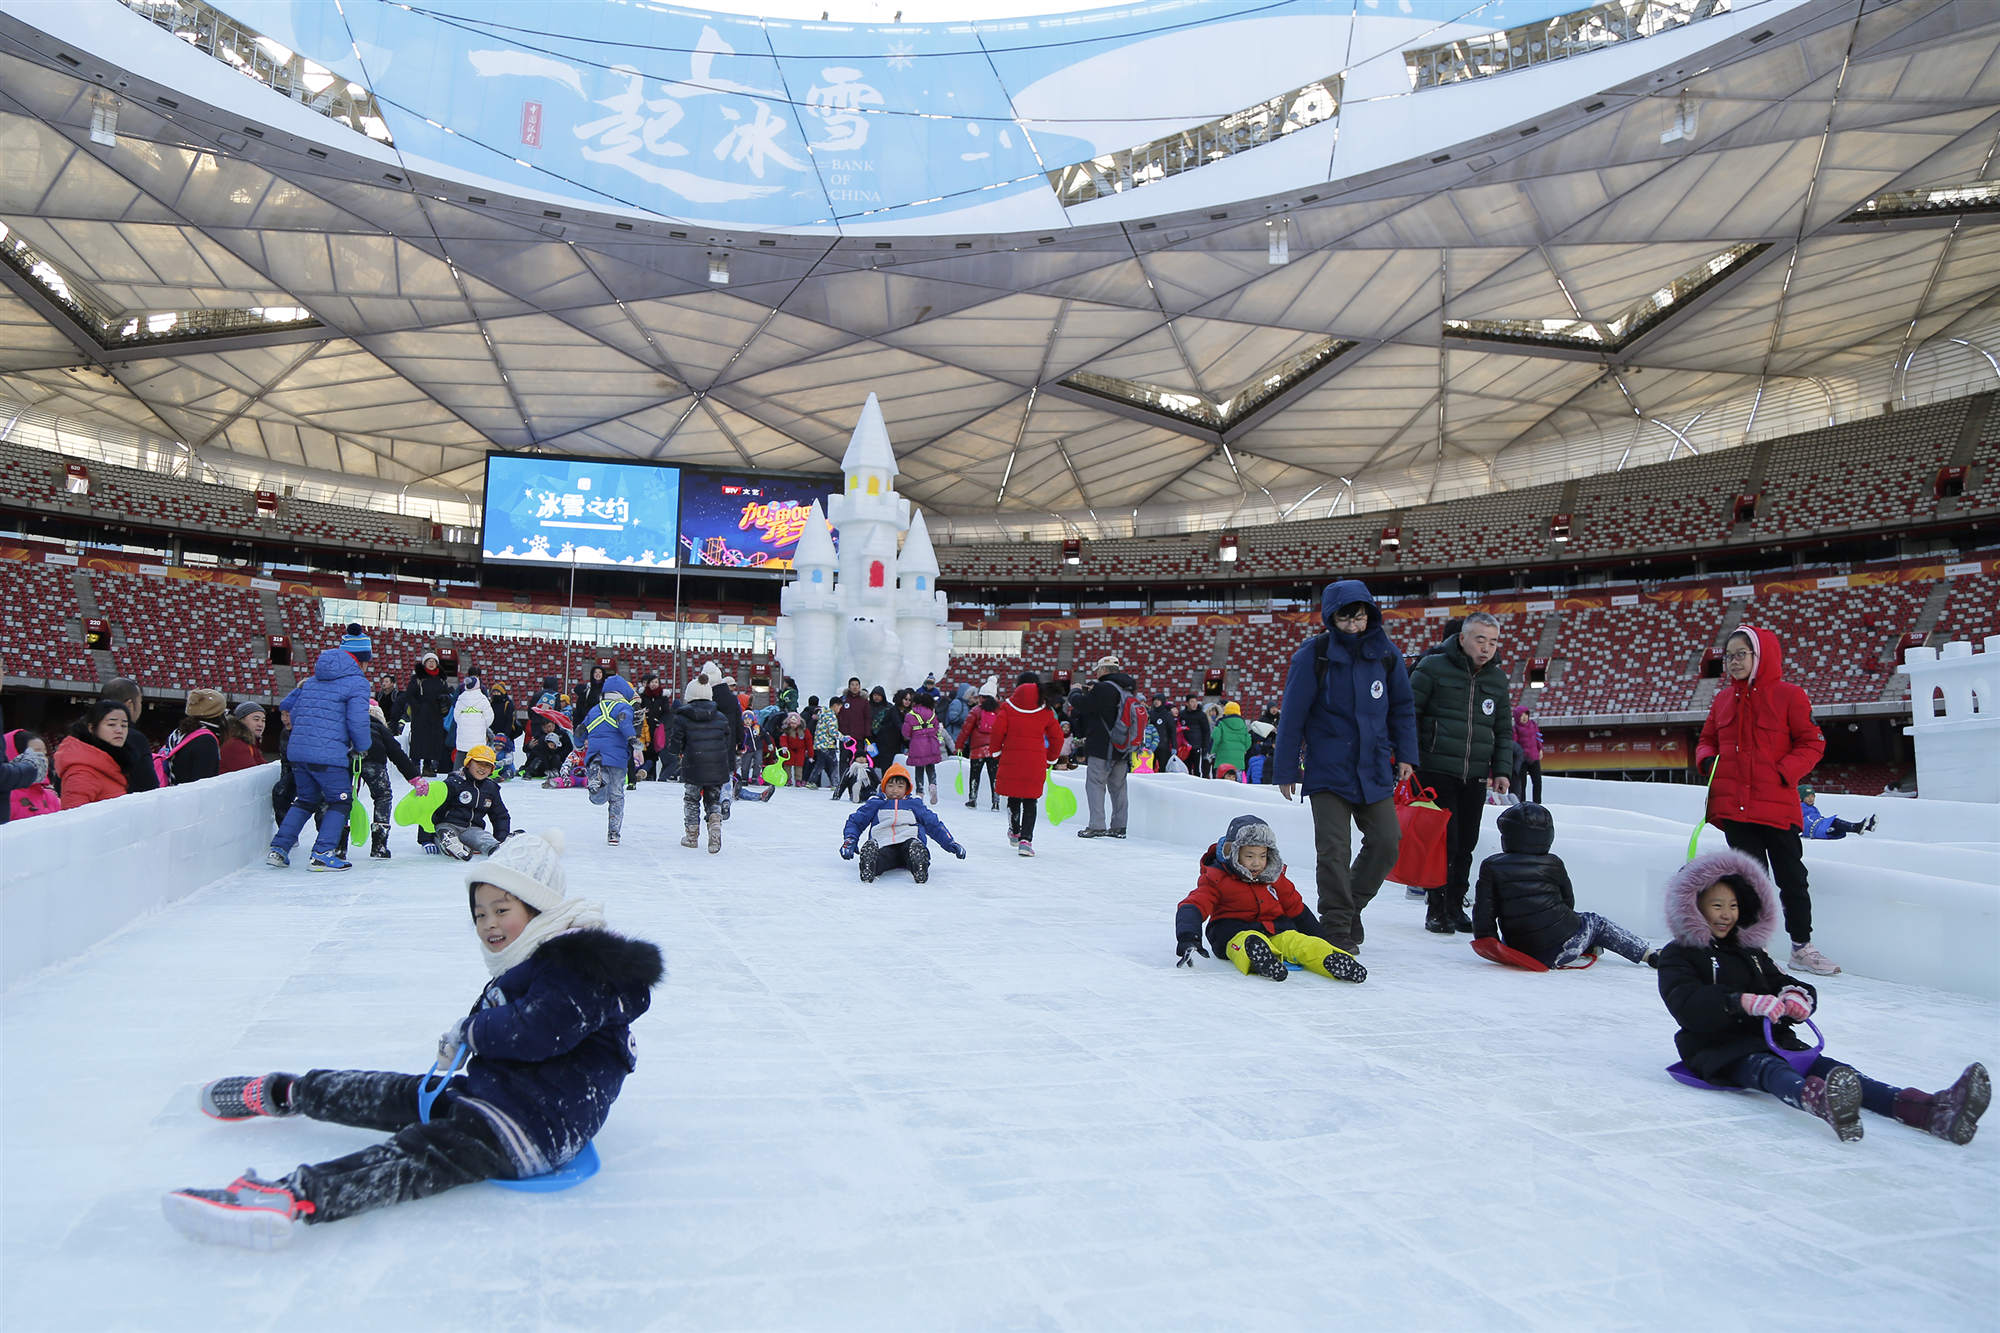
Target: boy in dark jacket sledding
x,y
382,752
1255,916
1524,896
471,798
896,823
704,740
549,1043
1720,986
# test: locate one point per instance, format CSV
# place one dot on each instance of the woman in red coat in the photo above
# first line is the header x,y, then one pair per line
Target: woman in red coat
x,y
90,762
1027,739
1758,744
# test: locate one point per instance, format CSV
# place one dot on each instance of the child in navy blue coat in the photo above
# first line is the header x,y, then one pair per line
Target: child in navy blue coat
x,y
546,1050
896,824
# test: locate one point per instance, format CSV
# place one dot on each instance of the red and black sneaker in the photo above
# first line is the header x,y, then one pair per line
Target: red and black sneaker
x,y
251,1213
241,1098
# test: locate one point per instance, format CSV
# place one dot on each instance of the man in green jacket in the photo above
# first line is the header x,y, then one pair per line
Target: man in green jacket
x,y
1465,740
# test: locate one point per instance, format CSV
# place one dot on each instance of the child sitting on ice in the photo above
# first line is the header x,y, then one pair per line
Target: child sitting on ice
x,y
549,1043
1524,895
896,823
1815,823
1256,918
471,798
1720,986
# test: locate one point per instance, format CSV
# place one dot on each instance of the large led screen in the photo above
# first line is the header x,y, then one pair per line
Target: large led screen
x,y
559,510
743,521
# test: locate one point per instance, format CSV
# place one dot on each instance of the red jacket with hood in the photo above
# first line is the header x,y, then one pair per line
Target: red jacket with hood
x,y
1027,738
1761,735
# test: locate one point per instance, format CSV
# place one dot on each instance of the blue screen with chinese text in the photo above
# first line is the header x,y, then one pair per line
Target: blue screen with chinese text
x,y
559,510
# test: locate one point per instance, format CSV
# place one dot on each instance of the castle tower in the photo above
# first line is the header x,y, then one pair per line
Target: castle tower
x,y
869,516
920,615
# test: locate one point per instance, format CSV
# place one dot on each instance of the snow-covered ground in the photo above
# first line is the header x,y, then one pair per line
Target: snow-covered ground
x,y
986,1102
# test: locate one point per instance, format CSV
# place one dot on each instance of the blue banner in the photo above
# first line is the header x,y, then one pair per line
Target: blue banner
x,y
555,510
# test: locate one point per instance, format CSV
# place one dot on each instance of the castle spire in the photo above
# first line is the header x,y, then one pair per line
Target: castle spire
x,y
815,548
868,448
917,556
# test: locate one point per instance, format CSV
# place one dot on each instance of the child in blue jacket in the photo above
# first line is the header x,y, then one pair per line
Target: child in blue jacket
x,y
546,1049
1817,824
896,824
609,735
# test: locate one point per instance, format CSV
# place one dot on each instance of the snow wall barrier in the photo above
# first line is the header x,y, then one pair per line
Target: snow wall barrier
x,y
71,878
1916,901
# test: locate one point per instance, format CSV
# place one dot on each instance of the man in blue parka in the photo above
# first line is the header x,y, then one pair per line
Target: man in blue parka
x,y
1350,723
328,718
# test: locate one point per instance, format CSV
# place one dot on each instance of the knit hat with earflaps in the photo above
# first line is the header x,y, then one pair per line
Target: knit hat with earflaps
x,y
529,866
1249,831
206,704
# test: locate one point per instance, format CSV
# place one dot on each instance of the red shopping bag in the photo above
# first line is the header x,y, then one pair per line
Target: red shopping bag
x,y
1420,860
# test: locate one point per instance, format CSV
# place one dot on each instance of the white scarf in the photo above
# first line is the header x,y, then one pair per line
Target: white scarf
x,y
574,914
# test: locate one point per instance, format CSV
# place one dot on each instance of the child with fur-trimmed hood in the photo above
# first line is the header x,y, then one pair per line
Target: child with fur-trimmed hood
x,y
545,1052
1722,988
1256,918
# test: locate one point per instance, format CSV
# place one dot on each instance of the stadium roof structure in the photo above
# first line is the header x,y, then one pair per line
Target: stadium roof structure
x,y
1811,192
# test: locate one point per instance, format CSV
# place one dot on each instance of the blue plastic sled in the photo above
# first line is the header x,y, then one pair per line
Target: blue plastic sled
x,y
573,1172
1799,1060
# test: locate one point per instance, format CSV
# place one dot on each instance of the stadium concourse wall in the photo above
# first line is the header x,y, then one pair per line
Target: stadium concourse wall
x,y
75,877
1917,901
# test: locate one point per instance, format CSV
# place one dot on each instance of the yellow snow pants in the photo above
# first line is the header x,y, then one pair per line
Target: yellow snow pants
x,y
1295,947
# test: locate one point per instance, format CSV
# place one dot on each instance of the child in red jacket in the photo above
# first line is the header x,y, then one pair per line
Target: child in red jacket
x,y
1256,918
1026,739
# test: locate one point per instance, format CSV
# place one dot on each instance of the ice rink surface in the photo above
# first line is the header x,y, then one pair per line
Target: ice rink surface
x,y
986,1102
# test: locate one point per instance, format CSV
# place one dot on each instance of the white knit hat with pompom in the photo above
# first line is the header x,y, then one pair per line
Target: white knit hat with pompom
x,y
527,865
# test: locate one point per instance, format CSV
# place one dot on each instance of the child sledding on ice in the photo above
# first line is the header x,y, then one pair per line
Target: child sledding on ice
x,y
549,1046
1256,918
896,823
1721,987
1524,898
471,798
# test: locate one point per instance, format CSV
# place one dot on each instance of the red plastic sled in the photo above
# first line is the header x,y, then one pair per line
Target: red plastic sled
x,y
1493,951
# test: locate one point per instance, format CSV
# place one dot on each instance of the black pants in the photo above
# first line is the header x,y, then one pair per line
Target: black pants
x,y
376,777
991,765
925,773
456,1148
1778,851
1530,768
1021,817
1465,798
913,856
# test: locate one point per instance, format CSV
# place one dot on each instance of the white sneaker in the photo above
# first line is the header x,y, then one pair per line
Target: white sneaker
x,y
1808,959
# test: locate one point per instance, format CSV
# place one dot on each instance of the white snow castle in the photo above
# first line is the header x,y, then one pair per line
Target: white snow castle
x,y
867,611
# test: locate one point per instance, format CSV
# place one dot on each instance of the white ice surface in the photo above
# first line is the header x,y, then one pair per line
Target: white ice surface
x,y
986,1102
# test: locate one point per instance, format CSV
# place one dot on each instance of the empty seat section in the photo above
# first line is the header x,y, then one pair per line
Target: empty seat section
x,y
183,634
40,633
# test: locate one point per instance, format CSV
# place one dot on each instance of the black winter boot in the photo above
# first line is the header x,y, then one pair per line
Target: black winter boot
x,y
1437,916
1459,920
871,858
378,841
918,858
1263,962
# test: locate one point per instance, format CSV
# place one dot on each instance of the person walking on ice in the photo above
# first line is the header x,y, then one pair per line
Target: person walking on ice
x,y
1256,918
704,740
609,736
545,1052
1026,740
896,823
